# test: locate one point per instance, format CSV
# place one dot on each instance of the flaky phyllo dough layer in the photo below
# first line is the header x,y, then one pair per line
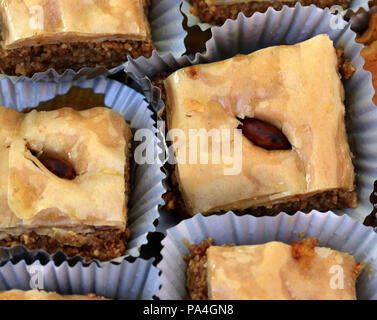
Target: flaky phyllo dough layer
x,y
96,142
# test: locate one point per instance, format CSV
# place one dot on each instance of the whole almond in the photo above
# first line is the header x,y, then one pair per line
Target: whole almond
x,y
264,134
61,168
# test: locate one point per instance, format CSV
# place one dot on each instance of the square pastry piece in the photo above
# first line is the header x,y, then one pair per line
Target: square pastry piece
x,y
65,34
271,271
217,11
292,153
64,181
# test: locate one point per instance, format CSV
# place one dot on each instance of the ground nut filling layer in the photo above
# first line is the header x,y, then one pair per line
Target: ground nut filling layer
x,y
101,244
218,14
324,201
196,281
109,54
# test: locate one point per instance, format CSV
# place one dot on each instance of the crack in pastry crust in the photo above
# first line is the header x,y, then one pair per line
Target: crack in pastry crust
x,y
218,14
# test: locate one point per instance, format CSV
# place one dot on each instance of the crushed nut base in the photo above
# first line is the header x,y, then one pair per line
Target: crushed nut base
x,y
101,244
218,14
196,281
62,56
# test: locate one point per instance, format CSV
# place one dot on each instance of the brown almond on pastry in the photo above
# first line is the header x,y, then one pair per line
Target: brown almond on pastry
x,y
264,134
61,168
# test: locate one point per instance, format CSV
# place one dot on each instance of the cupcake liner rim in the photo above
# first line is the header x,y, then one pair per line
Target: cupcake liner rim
x,y
134,280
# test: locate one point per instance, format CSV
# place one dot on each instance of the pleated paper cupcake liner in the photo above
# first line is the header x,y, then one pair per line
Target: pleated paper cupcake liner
x,y
336,232
126,281
168,35
193,20
290,26
146,197
166,21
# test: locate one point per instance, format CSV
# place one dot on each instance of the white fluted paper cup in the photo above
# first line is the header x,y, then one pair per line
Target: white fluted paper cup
x,y
126,281
336,232
166,21
290,26
146,196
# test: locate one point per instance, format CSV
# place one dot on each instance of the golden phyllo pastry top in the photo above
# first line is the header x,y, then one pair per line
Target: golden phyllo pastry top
x,y
297,89
301,271
34,22
89,185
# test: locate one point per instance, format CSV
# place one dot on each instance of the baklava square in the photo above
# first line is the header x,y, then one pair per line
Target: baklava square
x,y
38,35
64,181
292,153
